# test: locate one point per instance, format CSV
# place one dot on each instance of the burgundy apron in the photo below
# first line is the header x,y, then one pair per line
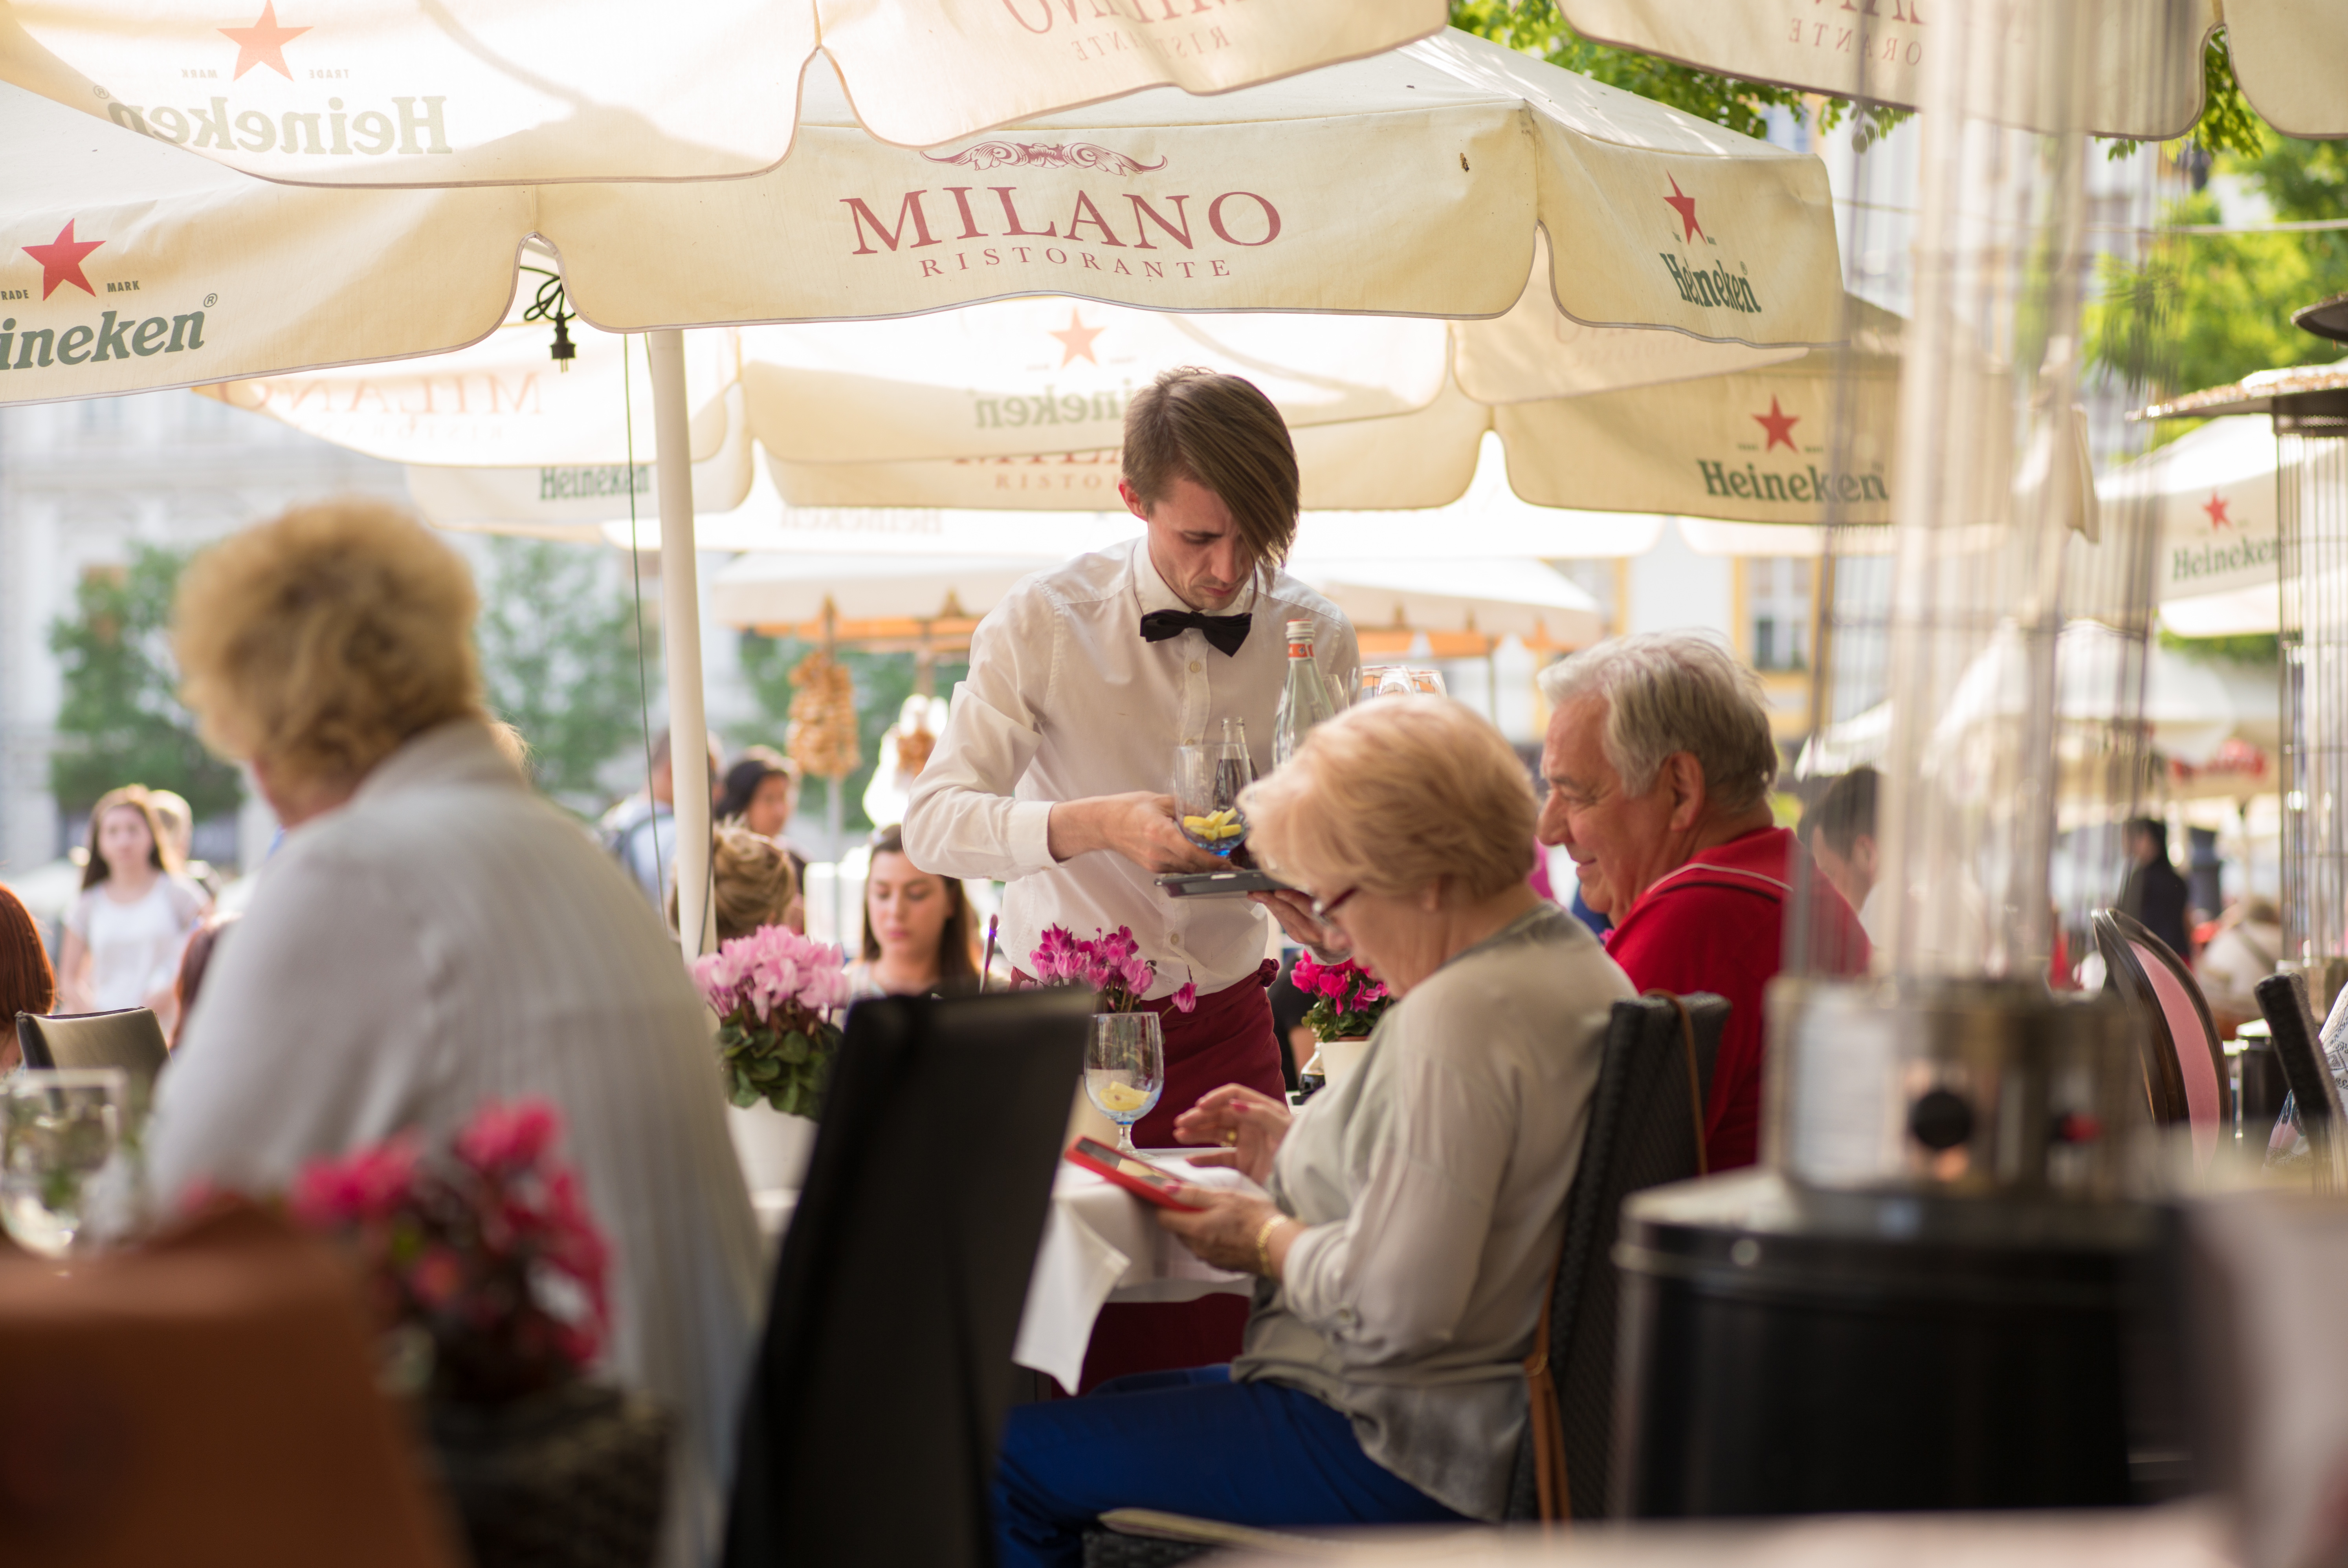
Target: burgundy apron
x,y
1225,1039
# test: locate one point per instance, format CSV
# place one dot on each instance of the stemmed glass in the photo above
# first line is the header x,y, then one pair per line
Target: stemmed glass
x,y
1208,779
59,1127
1125,1070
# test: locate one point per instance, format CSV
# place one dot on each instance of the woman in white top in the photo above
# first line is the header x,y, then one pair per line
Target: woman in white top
x,y
433,934
125,933
1415,1209
921,934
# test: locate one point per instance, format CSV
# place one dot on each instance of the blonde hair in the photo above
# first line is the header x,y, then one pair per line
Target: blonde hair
x,y
323,640
751,883
1394,796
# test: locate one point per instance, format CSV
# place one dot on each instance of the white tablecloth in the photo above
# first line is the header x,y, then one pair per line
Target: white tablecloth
x,y
1100,1243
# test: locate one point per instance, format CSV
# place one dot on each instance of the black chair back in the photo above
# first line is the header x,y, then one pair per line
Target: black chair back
x,y
1646,1129
129,1038
2299,1048
869,1425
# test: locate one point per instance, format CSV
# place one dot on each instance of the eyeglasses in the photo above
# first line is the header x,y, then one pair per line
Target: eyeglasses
x,y
1320,911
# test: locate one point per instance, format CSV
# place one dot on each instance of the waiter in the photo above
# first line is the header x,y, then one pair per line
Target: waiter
x,y
1052,770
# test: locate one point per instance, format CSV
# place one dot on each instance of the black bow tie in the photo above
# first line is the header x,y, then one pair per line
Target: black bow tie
x,y
1226,632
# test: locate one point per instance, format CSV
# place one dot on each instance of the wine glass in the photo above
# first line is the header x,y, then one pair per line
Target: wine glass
x,y
1208,779
1125,1070
59,1127
1429,681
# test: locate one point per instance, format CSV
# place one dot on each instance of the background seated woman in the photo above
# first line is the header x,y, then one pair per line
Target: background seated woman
x,y
751,884
921,934
1416,1207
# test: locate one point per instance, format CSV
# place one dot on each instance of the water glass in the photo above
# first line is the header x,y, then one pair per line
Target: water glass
x,y
1208,779
59,1127
1125,1070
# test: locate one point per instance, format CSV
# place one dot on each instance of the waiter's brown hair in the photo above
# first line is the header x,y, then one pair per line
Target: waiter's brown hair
x,y
1223,433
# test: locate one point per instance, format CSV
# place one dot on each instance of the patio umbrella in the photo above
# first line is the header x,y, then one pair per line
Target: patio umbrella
x,y
2213,491
406,92
2288,55
1410,182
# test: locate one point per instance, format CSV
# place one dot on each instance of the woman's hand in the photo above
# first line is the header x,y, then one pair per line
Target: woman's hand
x,y
1294,911
1247,1126
1224,1231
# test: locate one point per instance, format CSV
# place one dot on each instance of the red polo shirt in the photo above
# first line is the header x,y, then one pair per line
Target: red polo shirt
x,y
1719,924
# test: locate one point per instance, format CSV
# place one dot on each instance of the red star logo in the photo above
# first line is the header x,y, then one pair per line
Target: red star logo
x,y
1780,426
264,43
2217,511
1076,339
1684,205
60,261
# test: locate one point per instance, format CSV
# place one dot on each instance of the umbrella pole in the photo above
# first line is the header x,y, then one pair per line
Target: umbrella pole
x,y
680,638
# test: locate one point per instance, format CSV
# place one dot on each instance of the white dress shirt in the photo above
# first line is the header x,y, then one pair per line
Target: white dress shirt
x,y
446,939
1065,701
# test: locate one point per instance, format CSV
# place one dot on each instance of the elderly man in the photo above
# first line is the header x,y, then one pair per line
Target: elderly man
x,y
1658,763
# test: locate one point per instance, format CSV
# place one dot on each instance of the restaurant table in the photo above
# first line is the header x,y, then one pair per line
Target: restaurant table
x,y
2180,1535
1100,1245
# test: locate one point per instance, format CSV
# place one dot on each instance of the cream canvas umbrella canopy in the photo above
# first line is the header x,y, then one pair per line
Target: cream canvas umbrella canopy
x,y
2213,493
1409,182
2288,56
409,92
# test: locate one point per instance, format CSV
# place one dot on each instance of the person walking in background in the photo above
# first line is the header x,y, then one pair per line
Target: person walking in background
x,y
179,820
642,829
124,934
2156,893
921,934
1839,832
434,934
27,982
761,792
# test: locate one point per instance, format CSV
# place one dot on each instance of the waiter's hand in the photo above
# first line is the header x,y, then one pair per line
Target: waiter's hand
x,y
1140,826
1246,1124
1294,911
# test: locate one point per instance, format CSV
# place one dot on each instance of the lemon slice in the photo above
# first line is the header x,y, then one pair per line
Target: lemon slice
x,y
1117,1097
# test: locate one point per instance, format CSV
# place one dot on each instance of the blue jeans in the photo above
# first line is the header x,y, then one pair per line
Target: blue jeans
x,y
1188,1442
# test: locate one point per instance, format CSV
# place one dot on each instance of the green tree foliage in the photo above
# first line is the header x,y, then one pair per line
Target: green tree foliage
x,y
1536,29
2202,310
121,721
884,681
559,655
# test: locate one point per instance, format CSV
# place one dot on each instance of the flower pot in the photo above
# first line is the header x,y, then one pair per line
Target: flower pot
x,y
1340,1057
774,1148
572,1478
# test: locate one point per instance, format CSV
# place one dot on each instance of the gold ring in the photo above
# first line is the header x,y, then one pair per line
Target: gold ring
x,y
1230,1139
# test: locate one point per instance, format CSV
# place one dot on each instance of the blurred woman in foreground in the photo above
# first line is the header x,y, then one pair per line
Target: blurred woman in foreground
x,y
433,934
1416,1208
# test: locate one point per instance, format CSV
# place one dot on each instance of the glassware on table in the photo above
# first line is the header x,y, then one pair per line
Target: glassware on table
x,y
1428,682
59,1127
1208,779
1125,1070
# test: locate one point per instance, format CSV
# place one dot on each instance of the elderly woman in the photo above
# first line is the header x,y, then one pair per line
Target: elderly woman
x,y
1416,1208
432,934
1659,762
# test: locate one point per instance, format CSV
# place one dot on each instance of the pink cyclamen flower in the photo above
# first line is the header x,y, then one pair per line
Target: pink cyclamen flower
x,y
1306,975
1187,998
508,1138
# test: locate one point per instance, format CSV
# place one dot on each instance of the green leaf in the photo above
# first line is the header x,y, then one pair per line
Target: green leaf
x,y
745,1095
794,1048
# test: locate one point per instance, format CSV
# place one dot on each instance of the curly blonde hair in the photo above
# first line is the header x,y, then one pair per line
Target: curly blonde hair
x,y
751,883
323,640
1397,795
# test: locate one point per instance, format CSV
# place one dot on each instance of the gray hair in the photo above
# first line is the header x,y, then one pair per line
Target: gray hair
x,y
1671,691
